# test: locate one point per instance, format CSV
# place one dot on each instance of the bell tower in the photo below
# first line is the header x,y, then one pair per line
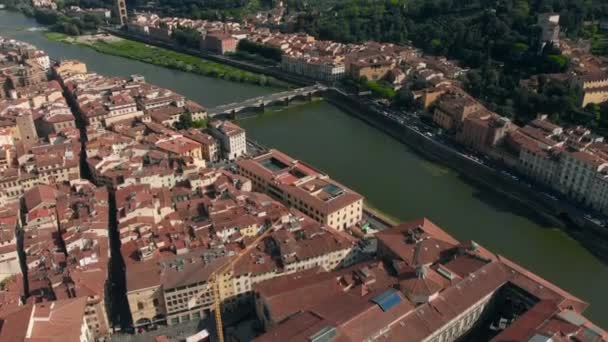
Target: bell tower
x,y
27,129
121,11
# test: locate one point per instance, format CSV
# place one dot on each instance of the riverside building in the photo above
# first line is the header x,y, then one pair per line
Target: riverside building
x,y
303,187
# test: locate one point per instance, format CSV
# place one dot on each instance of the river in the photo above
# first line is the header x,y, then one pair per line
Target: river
x,y
210,92
406,186
390,175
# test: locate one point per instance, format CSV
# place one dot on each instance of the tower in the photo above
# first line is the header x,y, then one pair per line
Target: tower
x,y
121,11
27,129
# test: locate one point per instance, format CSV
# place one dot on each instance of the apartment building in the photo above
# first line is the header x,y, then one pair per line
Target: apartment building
x,y
325,68
572,161
232,138
373,68
50,4
299,185
180,146
453,109
9,222
484,130
219,42
53,118
38,94
209,147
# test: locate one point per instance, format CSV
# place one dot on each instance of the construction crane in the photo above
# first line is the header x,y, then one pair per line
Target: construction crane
x,y
215,278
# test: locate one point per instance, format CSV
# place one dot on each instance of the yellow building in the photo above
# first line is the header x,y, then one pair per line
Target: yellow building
x,y
595,87
70,67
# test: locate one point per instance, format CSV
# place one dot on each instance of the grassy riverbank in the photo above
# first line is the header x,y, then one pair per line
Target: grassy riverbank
x,y
57,37
167,58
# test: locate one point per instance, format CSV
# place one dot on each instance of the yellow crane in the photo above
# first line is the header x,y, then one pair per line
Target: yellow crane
x,y
216,276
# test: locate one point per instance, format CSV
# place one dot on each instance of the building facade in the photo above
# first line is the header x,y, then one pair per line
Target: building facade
x,y
232,138
300,186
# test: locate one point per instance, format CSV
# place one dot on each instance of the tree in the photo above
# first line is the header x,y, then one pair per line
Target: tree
x,y
91,21
405,98
381,90
202,123
185,121
188,37
46,17
258,49
595,110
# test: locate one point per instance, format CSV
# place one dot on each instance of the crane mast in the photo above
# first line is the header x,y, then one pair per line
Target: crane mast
x,y
216,277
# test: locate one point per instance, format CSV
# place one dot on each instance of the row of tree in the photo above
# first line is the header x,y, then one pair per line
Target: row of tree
x,y
188,37
68,25
259,49
205,9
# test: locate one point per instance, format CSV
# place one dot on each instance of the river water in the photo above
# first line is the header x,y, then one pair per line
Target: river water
x,y
392,177
210,92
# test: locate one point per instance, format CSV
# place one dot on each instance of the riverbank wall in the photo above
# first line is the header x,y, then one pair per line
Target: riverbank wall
x,y
552,212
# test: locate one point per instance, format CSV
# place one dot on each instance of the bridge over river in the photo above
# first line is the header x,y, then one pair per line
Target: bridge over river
x,y
260,102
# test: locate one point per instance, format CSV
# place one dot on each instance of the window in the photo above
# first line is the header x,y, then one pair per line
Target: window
x,y
140,306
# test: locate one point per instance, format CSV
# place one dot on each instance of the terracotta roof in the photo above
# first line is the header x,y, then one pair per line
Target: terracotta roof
x,y
57,321
13,324
40,194
466,274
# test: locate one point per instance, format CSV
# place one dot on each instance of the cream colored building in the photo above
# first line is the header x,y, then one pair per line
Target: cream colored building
x,y
319,68
156,178
70,67
542,165
96,317
301,186
573,162
578,175
595,96
209,146
595,88
598,193
232,138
